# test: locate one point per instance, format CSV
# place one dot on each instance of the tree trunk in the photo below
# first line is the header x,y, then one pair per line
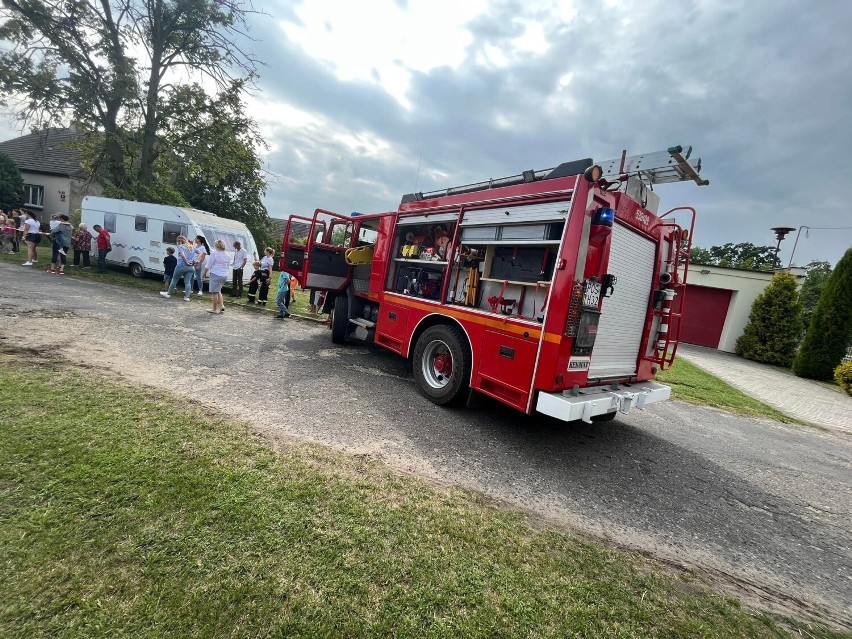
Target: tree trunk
x,y
148,152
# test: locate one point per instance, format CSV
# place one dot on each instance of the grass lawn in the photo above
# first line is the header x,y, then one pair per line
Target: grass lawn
x,y
154,283
693,384
127,514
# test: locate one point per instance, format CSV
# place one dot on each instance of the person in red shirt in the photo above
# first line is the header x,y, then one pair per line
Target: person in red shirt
x,y
104,247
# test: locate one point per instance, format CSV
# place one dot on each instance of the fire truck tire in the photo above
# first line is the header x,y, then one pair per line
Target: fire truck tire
x,y
441,363
606,417
339,319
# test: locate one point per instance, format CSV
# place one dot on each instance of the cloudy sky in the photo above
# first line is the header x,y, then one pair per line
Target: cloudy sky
x,y
355,95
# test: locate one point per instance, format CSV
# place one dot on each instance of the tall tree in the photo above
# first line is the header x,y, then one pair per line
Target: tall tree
x,y
11,184
743,255
212,157
815,281
774,324
109,66
830,331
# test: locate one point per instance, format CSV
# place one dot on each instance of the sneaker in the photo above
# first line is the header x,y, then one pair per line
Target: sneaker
x,y
27,264
198,293
187,299
50,270
165,293
85,267
61,273
62,251
279,317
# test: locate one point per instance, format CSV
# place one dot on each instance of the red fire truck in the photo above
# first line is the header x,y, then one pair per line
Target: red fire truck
x,y
559,291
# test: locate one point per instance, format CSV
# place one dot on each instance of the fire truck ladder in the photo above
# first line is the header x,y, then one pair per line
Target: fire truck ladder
x,y
661,167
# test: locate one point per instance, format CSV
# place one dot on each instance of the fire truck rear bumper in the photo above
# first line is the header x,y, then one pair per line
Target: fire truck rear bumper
x,y
589,402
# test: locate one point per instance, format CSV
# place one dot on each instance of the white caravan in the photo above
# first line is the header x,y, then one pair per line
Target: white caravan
x,y
141,232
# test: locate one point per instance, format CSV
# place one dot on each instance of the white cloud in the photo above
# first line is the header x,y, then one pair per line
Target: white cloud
x,y
381,42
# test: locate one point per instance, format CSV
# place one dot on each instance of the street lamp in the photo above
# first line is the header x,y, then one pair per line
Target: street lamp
x,y
780,233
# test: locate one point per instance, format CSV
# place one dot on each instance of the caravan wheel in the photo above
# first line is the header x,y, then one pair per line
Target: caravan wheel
x,y
136,269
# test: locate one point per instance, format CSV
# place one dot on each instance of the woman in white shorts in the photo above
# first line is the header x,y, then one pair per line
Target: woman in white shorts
x,y
217,266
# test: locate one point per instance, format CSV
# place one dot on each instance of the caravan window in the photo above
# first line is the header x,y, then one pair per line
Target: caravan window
x,y
109,222
141,223
171,232
228,239
210,236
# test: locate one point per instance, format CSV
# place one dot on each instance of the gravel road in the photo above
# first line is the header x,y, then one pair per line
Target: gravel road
x,y
758,508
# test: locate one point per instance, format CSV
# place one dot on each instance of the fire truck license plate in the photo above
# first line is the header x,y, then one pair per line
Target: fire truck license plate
x,y
592,294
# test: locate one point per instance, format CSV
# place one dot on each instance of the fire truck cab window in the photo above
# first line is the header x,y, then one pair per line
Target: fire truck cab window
x,y
340,234
367,236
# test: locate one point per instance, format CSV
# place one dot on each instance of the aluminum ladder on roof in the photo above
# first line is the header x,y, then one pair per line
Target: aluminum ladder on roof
x,y
661,167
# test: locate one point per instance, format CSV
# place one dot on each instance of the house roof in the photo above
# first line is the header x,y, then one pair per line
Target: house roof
x,y
46,152
279,224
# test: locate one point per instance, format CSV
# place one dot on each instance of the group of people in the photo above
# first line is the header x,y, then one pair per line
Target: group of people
x,y
22,226
193,261
10,231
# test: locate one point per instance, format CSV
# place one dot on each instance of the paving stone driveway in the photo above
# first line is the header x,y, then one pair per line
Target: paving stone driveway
x,y
795,396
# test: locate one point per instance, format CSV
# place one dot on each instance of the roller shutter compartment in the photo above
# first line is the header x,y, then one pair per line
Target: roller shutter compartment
x,y
623,314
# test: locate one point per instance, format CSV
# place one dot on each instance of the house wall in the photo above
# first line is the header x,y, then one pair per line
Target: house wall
x,y
746,286
61,194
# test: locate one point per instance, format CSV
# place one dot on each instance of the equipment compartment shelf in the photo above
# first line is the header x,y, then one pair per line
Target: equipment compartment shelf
x,y
409,260
494,279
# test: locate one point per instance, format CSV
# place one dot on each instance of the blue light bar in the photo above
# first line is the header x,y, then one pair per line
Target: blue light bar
x,y
604,217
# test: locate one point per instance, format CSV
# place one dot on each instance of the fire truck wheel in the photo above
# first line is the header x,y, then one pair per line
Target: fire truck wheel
x,y
606,417
442,364
339,319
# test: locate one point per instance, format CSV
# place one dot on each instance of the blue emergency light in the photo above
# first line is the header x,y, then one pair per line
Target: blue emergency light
x,y
604,217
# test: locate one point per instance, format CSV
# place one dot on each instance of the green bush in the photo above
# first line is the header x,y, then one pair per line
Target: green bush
x,y
830,330
774,324
843,376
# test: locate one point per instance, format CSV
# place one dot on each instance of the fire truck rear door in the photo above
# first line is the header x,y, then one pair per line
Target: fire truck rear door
x,y
330,236
623,314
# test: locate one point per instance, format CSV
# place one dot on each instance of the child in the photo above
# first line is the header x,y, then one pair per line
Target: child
x,y
259,280
283,299
54,222
169,264
61,236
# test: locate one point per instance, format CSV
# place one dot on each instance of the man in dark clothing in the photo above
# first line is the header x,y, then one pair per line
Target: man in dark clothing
x,y
104,246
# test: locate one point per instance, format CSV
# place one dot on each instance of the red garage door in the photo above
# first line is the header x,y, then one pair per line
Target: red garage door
x,y
706,310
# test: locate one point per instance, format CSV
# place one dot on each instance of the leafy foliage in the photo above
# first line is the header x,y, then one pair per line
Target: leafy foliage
x,y
109,68
11,184
774,324
830,330
744,255
213,158
815,281
843,376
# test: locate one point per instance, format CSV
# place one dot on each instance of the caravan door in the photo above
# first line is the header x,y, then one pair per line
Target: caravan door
x,y
325,264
